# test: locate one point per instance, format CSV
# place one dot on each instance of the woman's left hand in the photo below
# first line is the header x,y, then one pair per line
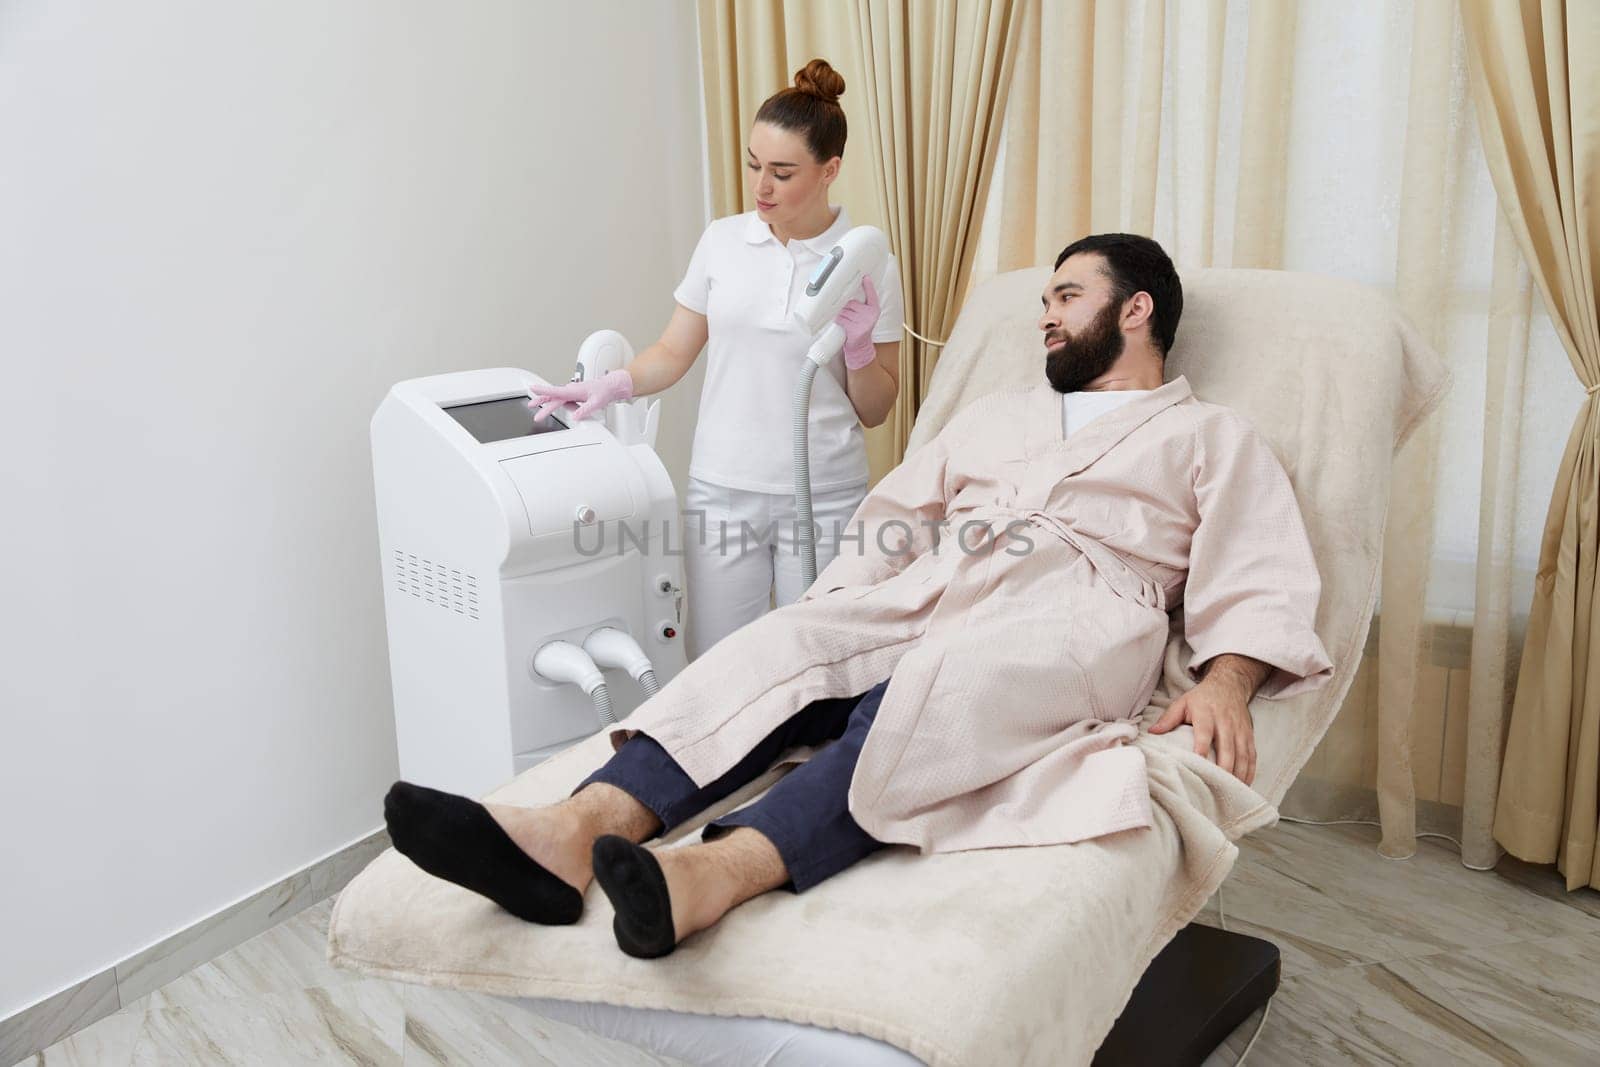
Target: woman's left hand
x,y
856,319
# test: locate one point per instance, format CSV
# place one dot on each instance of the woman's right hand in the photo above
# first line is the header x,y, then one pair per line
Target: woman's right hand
x,y
589,396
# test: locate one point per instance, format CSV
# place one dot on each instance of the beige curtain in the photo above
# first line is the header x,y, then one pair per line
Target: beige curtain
x,y
1410,724
1404,640
1082,134
1066,172
1496,641
1258,216
938,74
1535,77
925,87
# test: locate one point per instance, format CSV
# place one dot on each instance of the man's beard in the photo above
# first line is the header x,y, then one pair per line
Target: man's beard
x,y
1086,355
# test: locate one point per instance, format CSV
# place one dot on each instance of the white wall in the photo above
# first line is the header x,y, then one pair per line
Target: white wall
x,y
225,229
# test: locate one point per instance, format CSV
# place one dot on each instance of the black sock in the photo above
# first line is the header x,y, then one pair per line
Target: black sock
x,y
455,838
633,881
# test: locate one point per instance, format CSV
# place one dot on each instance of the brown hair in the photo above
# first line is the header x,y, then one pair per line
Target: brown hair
x,y
811,108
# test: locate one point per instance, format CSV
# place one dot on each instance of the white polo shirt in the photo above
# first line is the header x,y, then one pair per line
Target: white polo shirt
x,y
746,284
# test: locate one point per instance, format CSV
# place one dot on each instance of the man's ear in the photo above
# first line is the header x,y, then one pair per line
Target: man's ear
x,y
1138,310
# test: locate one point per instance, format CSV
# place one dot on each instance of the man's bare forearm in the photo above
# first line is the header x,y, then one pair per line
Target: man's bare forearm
x,y
1243,674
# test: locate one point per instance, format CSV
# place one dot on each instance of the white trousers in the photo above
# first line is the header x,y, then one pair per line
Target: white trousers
x,y
741,553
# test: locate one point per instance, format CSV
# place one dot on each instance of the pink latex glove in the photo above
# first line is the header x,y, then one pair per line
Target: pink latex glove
x,y
590,396
856,319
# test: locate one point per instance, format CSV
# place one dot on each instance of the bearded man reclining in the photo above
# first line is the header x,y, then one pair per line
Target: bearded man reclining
x,y
974,670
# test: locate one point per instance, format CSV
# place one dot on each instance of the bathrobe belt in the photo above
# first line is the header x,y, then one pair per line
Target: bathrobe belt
x,y
1127,580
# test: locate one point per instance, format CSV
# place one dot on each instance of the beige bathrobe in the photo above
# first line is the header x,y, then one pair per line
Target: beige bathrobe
x,y
1024,636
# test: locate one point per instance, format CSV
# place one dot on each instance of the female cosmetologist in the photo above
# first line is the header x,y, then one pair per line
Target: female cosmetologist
x,y
737,300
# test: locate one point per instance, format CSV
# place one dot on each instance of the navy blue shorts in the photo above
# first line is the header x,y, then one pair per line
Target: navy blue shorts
x,y
806,815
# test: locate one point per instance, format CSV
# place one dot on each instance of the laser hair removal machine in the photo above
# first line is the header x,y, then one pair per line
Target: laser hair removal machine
x,y
836,281
532,569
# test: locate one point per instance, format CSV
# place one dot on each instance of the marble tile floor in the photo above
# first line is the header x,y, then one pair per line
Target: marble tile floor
x,y
1418,961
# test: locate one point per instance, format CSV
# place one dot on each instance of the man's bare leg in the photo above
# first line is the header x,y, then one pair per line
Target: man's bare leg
x,y
710,879
534,862
560,837
663,896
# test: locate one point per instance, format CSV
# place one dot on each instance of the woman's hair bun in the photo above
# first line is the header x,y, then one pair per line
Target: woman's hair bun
x,y
818,78
810,107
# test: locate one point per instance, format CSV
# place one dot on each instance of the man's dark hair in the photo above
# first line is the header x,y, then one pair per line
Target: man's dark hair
x,y
1137,264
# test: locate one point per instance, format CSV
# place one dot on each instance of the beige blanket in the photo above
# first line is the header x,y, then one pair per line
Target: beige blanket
x,y
1012,955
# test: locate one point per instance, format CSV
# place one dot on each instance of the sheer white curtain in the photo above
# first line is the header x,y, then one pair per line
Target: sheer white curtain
x,y
1338,139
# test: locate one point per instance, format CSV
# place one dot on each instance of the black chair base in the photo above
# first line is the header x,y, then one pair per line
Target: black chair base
x,y
1192,996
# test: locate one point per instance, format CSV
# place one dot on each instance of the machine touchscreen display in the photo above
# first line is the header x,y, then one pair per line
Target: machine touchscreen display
x,y
501,420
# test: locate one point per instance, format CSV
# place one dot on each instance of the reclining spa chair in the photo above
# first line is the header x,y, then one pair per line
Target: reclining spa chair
x,y
1007,956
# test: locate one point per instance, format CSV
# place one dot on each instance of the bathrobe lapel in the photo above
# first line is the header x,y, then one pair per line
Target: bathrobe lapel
x,y
1052,456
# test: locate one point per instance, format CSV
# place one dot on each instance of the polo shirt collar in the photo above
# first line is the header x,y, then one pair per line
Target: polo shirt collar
x,y
757,231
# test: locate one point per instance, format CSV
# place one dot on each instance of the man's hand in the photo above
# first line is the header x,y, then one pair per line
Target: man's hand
x,y
1219,710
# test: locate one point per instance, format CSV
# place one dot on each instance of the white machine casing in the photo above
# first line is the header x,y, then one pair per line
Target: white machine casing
x,y
491,550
